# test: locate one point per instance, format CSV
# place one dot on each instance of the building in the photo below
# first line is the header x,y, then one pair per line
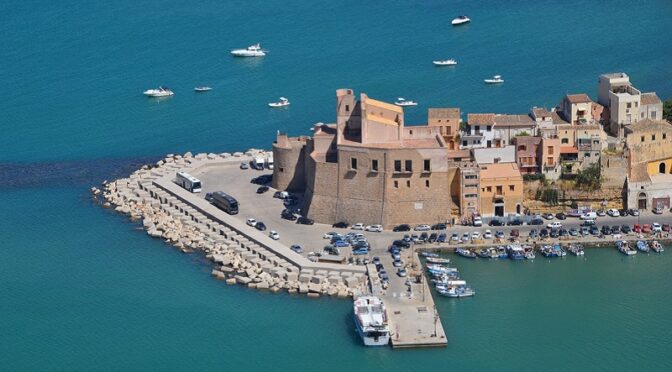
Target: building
x,y
501,189
448,120
624,102
538,155
506,154
649,179
479,132
369,167
651,107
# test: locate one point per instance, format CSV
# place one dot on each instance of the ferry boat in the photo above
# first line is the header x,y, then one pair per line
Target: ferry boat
x,y
455,289
576,249
281,103
642,246
465,253
656,246
463,19
516,252
405,103
497,79
251,51
160,92
445,62
624,248
202,89
371,321
437,260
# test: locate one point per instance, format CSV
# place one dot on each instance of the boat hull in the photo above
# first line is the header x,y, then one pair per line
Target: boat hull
x,y
382,339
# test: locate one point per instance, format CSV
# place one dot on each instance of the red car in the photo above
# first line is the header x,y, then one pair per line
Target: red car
x,y
637,229
646,229
666,227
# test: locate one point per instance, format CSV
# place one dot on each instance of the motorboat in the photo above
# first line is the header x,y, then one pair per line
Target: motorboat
x,y
497,79
516,252
576,249
624,248
281,103
455,289
465,253
528,252
463,19
160,92
371,321
437,260
440,268
656,246
251,51
445,62
502,252
405,103
642,246
553,251
490,252
429,254
202,89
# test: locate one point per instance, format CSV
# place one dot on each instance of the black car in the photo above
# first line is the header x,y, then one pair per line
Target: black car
x,y
625,229
439,226
208,197
288,215
561,216
564,232
402,227
496,222
432,237
554,233
262,189
633,212
263,179
594,230
401,243
536,221
623,212
605,230
341,225
615,229
515,222
423,237
260,226
304,221
533,233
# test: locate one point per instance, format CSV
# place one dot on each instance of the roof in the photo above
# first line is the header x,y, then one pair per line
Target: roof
x,y
557,119
648,125
650,99
568,150
488,155
578,98
380,119
540,112
514,120
500,170
444,113
531,144
384,105
481,119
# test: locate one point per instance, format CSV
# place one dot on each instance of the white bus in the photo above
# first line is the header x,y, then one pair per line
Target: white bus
x,y
188,182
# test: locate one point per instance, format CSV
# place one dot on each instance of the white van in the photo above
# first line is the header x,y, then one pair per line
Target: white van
x,y
589,216
259,163
269,162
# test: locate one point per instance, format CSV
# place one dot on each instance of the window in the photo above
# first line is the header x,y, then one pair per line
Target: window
x,y
550,150
397,165
374,165
281,169
489,143
489,188
347,108
408,165
642,115
499,190
353,163
653,114
426,183
653,137
664,135
477,128
427,165
470,177
565,141
411,132
512,187
488,128
522,148
642,139
472,186
470,196
629,105
464,143
396,184
408,183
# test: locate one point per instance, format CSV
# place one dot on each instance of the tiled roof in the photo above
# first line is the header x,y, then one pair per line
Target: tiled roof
x,y
650,99
514,120
481,119
557,119
578,98
540,112
500,170
647,125
447,113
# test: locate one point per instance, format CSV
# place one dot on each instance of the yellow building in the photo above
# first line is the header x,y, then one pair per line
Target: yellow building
x,y
501,189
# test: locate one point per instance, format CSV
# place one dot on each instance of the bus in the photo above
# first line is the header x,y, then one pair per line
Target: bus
x,y
225,202
188,182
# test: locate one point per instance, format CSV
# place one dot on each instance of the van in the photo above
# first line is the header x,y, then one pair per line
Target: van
x,y
589,216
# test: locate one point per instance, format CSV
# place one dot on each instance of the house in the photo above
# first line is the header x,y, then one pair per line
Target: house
x,y
479,131
624,102
501,189
538,155
448,121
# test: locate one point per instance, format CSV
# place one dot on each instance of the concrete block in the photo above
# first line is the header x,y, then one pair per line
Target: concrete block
x,y
315,288
242,279
304,278
317,279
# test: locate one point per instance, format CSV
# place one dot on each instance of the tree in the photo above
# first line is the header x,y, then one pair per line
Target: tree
x,y
667,110
522,134
590,178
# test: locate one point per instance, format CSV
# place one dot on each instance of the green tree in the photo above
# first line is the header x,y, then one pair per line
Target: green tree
x,y
589,178
667,109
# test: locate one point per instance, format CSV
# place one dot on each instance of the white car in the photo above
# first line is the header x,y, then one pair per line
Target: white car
x,y
613,212
465,237
358,226
328,235
454,237
656,227
475,235
423,228
374,228
251,222
554,225
274,235
487,234
589,216
478,221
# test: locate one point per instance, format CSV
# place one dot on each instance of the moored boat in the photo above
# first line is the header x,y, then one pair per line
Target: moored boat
x,y
528,252
642,246
656,246
465,253
624,248
455,289
429,254
371,321
438,260
516,252
502,252
489,252
576,249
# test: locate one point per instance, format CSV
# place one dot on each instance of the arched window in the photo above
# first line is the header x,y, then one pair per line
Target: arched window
x,y
661,168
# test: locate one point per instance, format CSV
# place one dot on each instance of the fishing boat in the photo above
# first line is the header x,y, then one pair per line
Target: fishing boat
x,y
528,252
497,79
371,321
445,62
202,89
404,102
576,249
642,246
251,51
624,248
656,246
463,19
455,289
489,252
283,102
159,92
429,254
465,253
438,260
444,278
502,252
516,252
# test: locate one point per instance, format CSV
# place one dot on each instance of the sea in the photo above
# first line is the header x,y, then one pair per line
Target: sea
x,y
82,288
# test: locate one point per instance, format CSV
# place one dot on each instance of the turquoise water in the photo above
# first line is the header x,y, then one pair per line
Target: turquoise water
x,y
82,288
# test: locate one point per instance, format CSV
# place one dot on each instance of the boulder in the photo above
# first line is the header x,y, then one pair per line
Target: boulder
x,y
218,274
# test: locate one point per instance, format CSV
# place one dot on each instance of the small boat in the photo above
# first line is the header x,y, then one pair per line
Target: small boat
x,y
624,248
444,278
440,268
160,92
576,249
497,79
202,89
437,260
528,252
429,254
488,253
405,103
656,246
282,103
502,252
642,246
371,321
553,251
460,20
455,289
445,62
465,253
251,51
516,252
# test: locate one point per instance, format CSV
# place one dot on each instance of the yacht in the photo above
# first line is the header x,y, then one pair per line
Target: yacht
x,y
497,79
371,321
251,51
463,19
516,252
202,89
445,62
160,92
282,103
403,102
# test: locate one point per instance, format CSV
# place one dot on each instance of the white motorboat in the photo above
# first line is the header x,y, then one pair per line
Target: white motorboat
x,y
160,92
202,89
281,103
497,79
445,62
371,321
251,51
460,20
405,103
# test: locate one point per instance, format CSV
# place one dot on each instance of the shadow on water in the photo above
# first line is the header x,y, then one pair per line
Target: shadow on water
x,y
68,173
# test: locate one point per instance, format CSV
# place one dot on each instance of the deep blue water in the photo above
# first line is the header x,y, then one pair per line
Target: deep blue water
x,y
82,288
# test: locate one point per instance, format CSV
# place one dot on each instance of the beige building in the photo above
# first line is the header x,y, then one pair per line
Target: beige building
x,y
501,189
538,155
625,103
448,121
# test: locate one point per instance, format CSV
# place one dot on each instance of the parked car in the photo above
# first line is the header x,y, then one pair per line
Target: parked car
x,y
561,216
543,233
547,216
340,225
340,243
465,237
402,227
262,189
623,212
244,165
263,179
585,230
260,226
554,233
374,228
304,221
605,230
515,222
274,235
613,212
499,234
358,226
423,237
589,216
439,226
475,235
588,223
594,230
574,231
563,232
396,263
281,195
432,238
646,228
478,222
666,227
633,212
454,237
656,227
601,212
401,243
441,238
554,225
330,235
251,222
625,229
496,222
487,234
402,272
423,227
615,230
637,228
514,233
536,221
288,215
208,197
296,248
658,210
